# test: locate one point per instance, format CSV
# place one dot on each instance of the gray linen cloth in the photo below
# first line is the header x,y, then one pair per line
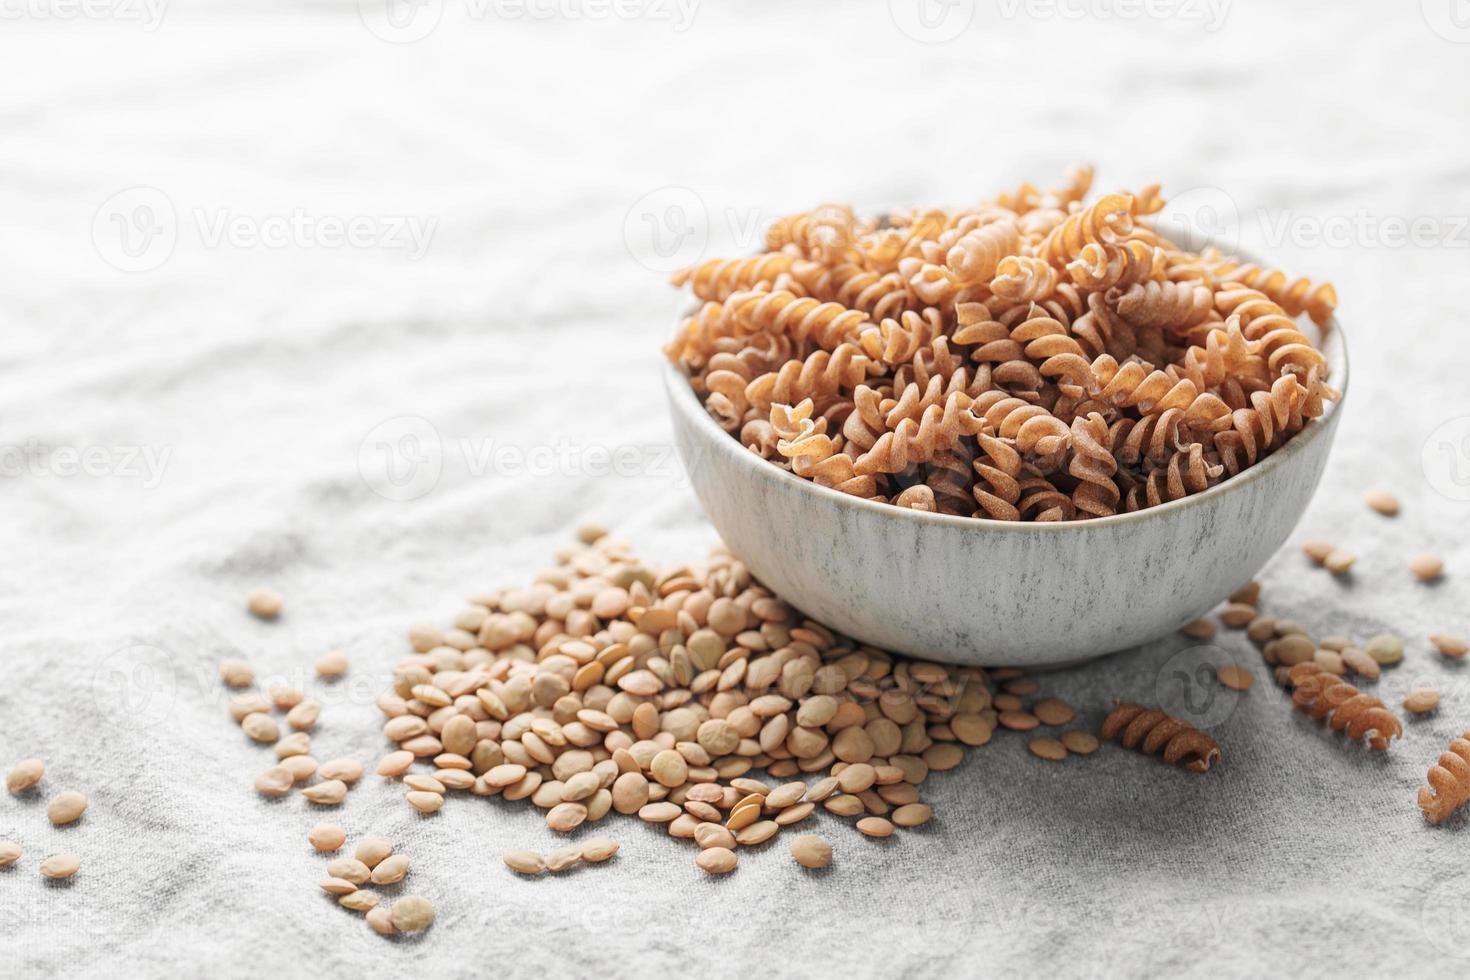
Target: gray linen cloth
x,y
209,385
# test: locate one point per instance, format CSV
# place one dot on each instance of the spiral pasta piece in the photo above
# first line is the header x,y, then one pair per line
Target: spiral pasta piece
x,y
1262,320
1151,731
1449,782
1047,343
1024,279
1323,696
1133,385
1255,431
1093,465
1295,296
974,258
1100,267
937,429
997,490
1187,472
1035,432
802,318
716,279
821,375
813,455
1172,306
1105,222
823,233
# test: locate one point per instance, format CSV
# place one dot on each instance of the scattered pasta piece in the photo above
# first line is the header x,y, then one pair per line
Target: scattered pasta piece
x,y
1339,561
1346,709
1449,782
1151,731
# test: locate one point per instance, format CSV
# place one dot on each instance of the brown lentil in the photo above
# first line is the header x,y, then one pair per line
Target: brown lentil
x,y
1082,743
264,603
1426,568
1421,700
1047,748
24,774
875,827
716,860
1235,677
412,913
1053,711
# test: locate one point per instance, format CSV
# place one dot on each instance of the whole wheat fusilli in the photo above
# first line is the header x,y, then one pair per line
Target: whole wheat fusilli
x,y
1031,357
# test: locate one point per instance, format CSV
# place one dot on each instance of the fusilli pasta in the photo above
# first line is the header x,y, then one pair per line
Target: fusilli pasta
x,y
1151,731
1325,696
1031,357
1449,782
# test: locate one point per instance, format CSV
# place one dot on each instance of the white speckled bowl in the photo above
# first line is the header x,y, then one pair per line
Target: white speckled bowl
x,y
991,592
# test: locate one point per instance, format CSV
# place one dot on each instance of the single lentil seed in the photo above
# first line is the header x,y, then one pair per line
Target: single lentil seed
x,y
1426,568
25,774
1082,743
236,672
1385,648
412,913
1053,711
1047,748
875,827
598,849
1199,629
1235,677
1449,644
391,870
264,603
1382,501
1421,700
60,866
359,901
1018,721
332,664
716,860
423,802
380,919
328,837
811,851
66,808
524,862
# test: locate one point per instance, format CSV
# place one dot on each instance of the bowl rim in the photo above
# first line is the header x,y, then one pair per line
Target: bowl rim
x,y
1334,347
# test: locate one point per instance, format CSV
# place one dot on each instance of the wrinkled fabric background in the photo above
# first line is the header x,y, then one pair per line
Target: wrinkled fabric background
x,y
378,429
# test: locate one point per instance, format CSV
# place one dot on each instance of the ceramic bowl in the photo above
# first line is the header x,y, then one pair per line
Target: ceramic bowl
x,y
987,592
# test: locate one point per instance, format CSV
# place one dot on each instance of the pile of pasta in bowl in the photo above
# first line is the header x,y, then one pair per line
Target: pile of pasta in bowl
x,y
1031,358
